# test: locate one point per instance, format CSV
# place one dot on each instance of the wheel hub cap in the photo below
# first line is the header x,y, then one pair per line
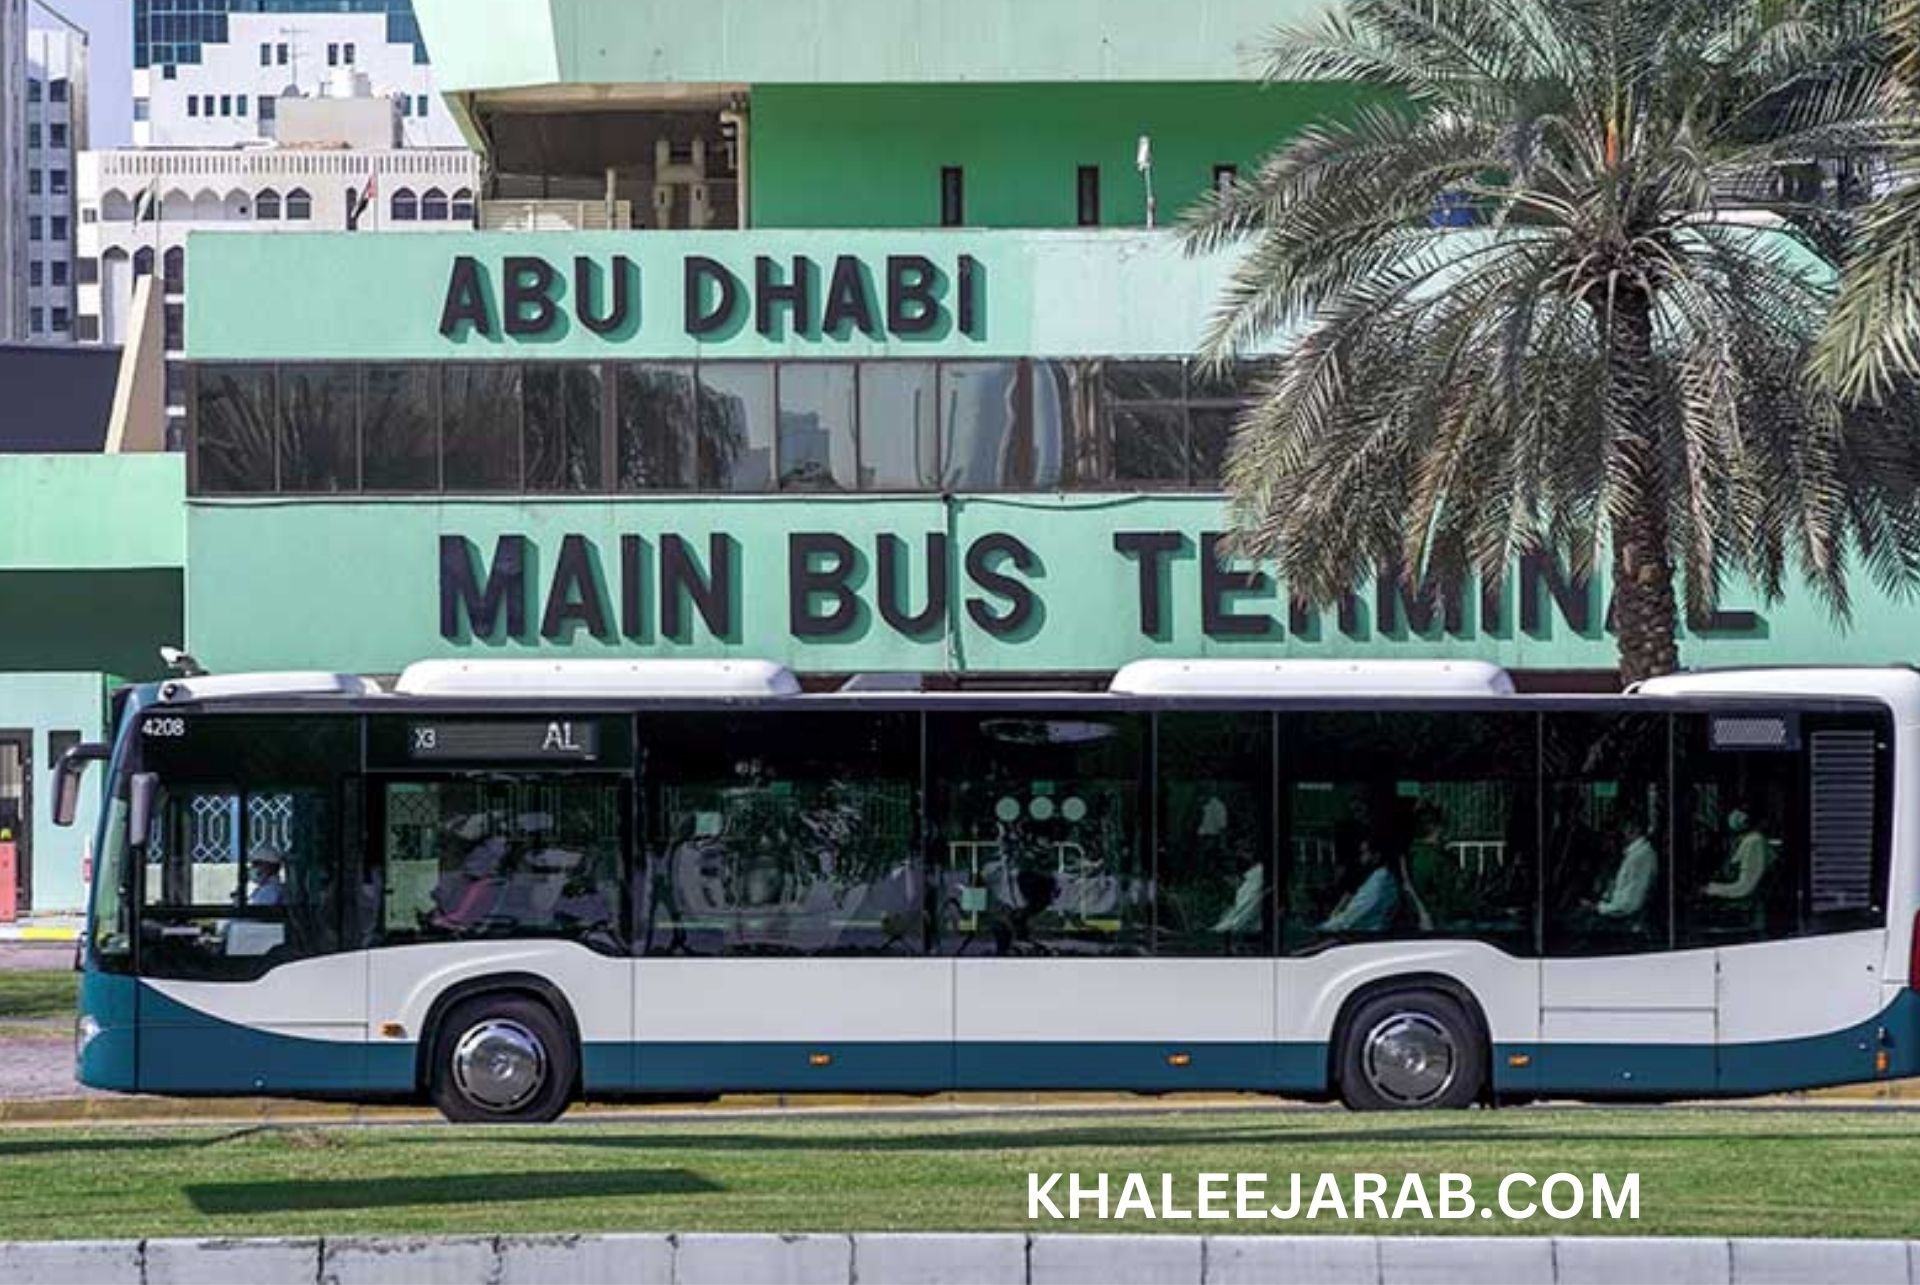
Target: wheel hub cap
x,y
499,1065
1410,1058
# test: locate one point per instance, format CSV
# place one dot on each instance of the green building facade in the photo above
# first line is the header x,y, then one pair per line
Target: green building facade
x,y
847,344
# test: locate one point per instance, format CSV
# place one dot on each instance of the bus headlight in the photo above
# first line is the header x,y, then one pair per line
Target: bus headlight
x,y
85,1031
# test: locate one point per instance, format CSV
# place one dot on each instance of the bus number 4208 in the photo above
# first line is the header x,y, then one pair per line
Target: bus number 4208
x,y
165,727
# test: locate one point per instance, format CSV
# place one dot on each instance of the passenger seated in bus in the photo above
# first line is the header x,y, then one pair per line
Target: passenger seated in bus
x,y
1369,907
467,896
1247,914
1036,891
1633,878
1432,879
1748,862
265,868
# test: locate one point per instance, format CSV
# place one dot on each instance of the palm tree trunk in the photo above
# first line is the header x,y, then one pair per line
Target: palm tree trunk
x,y
1644,611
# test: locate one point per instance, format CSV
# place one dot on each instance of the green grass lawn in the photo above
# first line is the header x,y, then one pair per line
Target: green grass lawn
x,y
1702,1172
36,994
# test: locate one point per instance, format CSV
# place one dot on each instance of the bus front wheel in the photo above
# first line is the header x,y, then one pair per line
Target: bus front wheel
x,y
502,1059
1409,1050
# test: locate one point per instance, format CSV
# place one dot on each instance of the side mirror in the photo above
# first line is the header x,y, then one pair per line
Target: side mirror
x,y
140,792
67,775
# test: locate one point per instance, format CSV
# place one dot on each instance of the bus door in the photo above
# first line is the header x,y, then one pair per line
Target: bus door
x,y
243,933
500,846
783,915
1106,883
1786,821
1622,1012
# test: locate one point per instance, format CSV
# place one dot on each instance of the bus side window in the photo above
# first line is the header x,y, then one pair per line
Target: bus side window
x,y
1040,825
509,855
1215,882
1742,827
782,834
1408,824
1608,861
242,869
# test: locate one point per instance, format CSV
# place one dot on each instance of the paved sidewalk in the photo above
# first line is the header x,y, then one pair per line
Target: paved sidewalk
x,y
39,1067
35,956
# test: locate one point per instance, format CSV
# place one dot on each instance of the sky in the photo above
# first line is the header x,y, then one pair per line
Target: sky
x,y
109,25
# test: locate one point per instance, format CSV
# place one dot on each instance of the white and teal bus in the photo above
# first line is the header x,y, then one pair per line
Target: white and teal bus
x,y
505,886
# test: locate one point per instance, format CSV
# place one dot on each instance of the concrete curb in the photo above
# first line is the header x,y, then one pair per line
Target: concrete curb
x,y
1012,1258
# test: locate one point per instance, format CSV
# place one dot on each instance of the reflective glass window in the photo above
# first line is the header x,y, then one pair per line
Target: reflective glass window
x,y
898,412
319,451
1039,822
507,855
656,427
782,834
1150,444
480,426
1608,859
1742,826
1066,409
1409,824
1210,435
987,440
817,409
736,419
1147,420
401,429
563,427
235,427
245,864
1215,877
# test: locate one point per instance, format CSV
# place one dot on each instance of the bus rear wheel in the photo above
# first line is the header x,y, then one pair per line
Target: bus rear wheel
x,y
1411,1050
502,1059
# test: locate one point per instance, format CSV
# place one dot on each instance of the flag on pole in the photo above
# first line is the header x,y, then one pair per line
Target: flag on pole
x,y
367,194
146,206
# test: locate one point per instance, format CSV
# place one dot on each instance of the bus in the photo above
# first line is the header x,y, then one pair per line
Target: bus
x,y
505,886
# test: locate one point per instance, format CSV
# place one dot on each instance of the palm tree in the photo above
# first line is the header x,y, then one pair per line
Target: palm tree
x,y
1873,336
1550,284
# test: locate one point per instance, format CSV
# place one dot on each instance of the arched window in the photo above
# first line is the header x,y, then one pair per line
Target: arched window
x,y
143,261
433,206
299,205
463,205
266,206
175,264
406,206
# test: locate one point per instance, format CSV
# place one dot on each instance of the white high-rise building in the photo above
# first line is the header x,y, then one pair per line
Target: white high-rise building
x,y
258,116
13,167
56,133
222,87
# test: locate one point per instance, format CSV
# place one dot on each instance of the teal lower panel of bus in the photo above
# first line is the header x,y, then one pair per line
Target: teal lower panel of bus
x,y
1153,1068
1845,1056
756,1066
172,1048
1606,1070
105,1058
883,1066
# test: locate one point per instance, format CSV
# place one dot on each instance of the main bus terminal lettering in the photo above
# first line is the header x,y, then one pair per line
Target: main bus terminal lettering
x,y
663,588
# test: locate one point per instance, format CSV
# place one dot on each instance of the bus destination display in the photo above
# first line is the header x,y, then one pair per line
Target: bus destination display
x,y
519,741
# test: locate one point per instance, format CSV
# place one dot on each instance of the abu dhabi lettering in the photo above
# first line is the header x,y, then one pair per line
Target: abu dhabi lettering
x,y
671,588
529,298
